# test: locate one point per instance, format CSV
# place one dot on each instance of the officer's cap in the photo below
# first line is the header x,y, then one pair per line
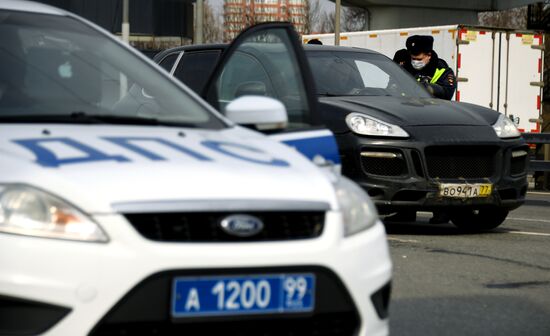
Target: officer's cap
x,y
417,44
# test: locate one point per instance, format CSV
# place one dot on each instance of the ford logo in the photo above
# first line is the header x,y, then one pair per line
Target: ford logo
x,y
241,225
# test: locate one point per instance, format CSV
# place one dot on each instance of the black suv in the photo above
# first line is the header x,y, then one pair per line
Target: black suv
x,y
407,149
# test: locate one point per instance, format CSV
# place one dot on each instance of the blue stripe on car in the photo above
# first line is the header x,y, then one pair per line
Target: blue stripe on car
x,y
324,146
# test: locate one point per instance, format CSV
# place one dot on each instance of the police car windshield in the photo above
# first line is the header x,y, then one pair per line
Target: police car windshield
x,y
55,66
348,73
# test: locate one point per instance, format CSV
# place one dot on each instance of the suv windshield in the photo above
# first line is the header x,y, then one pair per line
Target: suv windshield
x,y
348,73
59,69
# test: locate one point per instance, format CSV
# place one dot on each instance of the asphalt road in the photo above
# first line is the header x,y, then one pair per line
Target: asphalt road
x,y
451,283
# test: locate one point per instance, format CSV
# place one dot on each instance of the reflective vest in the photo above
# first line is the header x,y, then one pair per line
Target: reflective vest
x,y
438,73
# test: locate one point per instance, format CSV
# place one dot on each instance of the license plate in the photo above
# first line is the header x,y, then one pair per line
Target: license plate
x,y
242,295
461,190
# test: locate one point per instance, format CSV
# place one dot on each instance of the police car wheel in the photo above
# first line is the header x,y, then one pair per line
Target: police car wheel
x,y
479,220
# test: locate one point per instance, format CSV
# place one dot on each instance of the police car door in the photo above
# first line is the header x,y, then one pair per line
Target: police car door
x,y
267,59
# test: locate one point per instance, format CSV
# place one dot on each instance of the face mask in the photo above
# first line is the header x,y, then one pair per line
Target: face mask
x,y
417,65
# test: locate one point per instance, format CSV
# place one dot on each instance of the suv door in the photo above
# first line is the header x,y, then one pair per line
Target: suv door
x,y
268,59
196,66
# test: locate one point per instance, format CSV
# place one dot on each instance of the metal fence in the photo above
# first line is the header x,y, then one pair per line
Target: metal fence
x,y
536,165
539,164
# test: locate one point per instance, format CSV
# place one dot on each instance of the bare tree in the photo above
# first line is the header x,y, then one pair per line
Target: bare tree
x,y
212,27
515,18
353,19
317,18
314,14
326,23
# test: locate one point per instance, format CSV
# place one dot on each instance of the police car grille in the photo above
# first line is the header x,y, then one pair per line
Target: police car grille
x,y
332,324
146,309
461,161
205,227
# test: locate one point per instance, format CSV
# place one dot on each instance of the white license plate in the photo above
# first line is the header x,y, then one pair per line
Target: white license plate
x,y
463,190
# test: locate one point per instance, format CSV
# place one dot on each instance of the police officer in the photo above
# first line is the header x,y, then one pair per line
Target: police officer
x,y
315,41
401,57
433,72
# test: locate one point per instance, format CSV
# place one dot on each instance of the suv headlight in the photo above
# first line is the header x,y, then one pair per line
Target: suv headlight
x,y
367,125
29,211
358,211
505,128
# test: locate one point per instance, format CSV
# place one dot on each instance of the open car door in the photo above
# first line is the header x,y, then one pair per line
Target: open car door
x,y
268,60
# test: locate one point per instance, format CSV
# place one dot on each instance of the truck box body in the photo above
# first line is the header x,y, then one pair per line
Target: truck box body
x,y
496,68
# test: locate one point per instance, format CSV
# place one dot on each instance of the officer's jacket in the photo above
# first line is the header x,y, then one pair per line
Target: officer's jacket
x,y
440,77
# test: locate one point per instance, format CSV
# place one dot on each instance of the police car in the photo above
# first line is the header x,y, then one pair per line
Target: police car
x,y
128,206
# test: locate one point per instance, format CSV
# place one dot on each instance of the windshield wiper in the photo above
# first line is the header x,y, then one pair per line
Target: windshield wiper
x,y
328,94
111,119
79,117
129,120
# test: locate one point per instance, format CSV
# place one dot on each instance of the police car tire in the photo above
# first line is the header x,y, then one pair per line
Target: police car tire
x,y
479,220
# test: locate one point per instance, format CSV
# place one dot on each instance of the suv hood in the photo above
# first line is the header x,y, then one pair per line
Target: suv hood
x,y
414,111
98,167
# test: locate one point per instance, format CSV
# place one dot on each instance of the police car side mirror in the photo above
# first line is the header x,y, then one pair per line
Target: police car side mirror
x,y
262,113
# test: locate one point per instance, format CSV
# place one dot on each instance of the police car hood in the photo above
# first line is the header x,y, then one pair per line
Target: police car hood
x,y
98,167
403,111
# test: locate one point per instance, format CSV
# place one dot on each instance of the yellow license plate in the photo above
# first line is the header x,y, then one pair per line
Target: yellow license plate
x,y
463,190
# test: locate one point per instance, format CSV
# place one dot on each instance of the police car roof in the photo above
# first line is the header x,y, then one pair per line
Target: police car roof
x,y
29,6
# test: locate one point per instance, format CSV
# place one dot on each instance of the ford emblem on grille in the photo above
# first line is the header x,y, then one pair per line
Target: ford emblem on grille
x,y
241,225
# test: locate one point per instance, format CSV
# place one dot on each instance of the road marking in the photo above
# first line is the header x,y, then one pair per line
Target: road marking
x,y
529,219
403,240
538,193
530,233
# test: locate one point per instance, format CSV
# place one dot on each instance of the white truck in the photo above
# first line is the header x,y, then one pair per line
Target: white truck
x,y
496,68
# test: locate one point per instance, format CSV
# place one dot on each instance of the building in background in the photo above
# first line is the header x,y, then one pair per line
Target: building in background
x,y
239,14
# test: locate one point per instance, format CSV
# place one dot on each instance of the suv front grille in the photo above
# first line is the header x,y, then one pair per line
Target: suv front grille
x,y
383,162
518,163
205,226
461,161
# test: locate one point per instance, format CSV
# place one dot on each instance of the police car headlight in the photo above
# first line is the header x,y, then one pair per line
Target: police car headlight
x,y
28,211
367,125
505,128
358,211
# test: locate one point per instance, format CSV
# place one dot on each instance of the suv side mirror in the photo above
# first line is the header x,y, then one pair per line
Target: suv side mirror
x,y
263,113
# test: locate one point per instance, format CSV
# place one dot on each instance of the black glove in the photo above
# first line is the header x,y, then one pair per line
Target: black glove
x,y
425,81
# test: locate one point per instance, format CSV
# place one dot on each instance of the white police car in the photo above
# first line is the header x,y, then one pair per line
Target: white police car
x,y
121,215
